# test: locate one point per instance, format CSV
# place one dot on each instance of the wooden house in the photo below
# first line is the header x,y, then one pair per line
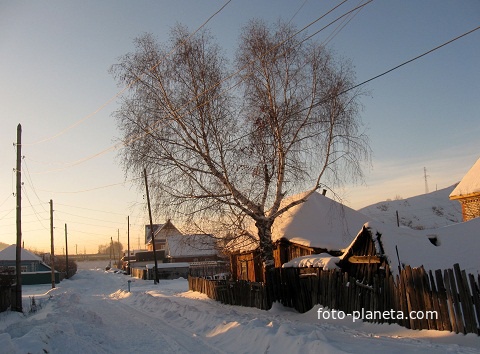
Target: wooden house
x,y
319,225
34,270
191,248
467,192
161,231
380,246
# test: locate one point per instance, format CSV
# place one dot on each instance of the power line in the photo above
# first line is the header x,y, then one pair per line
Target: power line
x,y
91,189
131,140
411,60
9,196
118,94
344,23
34,210
97,210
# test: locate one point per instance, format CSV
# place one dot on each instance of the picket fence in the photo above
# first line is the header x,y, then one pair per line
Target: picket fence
x,y
442,300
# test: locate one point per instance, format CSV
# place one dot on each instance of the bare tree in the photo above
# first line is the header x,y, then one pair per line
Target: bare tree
x,y
226,143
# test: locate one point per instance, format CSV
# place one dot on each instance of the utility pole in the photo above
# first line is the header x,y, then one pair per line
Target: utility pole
x,y
151,229
18,250
52,249
426,183
119,250
111,248
128,245
66,250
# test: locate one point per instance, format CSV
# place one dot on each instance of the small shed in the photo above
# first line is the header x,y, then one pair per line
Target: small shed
x,y
34,270
467,192
378,246
318,225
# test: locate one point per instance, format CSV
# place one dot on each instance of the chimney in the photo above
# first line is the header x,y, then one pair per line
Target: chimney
x,y
324,192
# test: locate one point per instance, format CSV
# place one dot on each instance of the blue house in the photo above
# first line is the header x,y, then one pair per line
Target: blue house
x,y
34,270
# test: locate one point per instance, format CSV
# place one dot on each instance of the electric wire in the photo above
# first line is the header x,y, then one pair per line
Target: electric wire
x,y
130,141
97,210
411,60
407,62
8,197
91,189
296,13
118,94
343,24
35,211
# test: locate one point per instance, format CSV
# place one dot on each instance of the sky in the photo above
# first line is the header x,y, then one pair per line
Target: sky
x,y
54,80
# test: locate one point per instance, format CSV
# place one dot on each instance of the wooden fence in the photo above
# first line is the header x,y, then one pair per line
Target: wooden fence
x,y
443,300
241,293
7,297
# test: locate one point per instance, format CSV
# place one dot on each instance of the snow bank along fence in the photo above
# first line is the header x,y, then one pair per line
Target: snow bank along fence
x,y
442,300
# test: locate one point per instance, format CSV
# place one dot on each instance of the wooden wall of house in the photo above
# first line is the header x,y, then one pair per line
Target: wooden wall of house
x,y
246,266
284,251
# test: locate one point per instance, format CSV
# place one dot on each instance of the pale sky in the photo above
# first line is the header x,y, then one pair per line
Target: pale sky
x,y
54,62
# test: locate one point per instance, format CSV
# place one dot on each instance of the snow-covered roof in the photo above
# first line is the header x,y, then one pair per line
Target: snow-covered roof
x,y
470,183
190,245
322,260
459,243
10,254
161,231
318,222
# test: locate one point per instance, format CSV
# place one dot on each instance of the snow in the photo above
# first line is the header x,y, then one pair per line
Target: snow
x,y
457,243
318,222
9,254
470,183
322,260
426,211
94,313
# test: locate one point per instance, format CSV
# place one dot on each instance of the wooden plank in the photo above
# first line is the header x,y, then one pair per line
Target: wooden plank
x,y
364,259
436,302
463,299
475,297
403,298
466,298
411,298
446,311
427,299
456,301
419,297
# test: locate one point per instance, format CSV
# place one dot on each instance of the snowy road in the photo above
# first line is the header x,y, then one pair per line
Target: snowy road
x,y
93,313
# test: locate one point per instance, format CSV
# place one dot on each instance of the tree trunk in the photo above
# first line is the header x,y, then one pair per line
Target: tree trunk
x,y
264,228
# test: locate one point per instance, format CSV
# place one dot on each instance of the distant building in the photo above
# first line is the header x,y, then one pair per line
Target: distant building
x,y
191,248
34,270
467,192
160,231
